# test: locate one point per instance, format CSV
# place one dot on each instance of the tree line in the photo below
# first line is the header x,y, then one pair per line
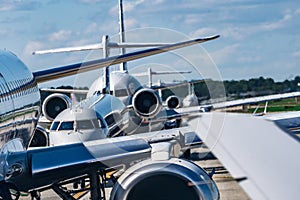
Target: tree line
x,y
208,88
211,89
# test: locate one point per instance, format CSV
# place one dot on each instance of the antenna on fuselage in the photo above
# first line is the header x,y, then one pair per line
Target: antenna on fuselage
x,y
123,66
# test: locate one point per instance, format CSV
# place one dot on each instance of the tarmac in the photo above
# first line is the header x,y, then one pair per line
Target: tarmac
x,y
228,187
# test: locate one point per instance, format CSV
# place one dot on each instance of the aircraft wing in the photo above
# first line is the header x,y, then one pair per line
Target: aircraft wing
x,y
74,91
259,155
73,69
42,167
253,100
165,86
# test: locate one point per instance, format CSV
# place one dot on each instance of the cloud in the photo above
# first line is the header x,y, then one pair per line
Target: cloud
x,y
89,1
226,54
204,32
130,23
297,12
8,5
32,46
296,54
236,33
191,19
249,59
60,35
127,6
4,32
91,28
277,24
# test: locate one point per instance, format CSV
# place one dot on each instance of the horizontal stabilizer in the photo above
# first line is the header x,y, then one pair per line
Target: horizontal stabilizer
x,y
161,73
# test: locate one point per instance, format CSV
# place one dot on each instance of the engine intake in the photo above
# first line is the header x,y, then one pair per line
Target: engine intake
x,y
55,104
171,179
146,103
173,102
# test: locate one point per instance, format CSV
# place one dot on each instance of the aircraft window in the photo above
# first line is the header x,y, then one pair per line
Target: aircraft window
x,y
96,123
99,123
66,126
54,126
102,123
84,124
121,93
112,118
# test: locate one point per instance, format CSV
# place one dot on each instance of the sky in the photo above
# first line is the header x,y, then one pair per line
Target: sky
x,y
258,38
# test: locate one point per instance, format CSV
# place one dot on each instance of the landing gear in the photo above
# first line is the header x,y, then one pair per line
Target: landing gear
x,y
35,195
5,193
93,183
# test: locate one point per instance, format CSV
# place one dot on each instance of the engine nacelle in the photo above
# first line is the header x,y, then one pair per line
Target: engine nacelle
x,y
55,104
173,102
146,103
40,138
170,179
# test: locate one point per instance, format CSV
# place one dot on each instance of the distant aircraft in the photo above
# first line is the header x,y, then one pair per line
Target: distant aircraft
x,y
32,169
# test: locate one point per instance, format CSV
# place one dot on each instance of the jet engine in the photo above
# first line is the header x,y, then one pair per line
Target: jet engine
x,y
146,103
173,102
54,104
40,137
170,179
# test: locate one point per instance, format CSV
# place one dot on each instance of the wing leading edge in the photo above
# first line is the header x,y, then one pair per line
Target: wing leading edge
x,y
63,71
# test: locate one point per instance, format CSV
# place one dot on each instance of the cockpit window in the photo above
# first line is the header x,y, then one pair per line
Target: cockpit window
x,y
80,125
121,93
112,118
54,126
99,123
84,124
66,126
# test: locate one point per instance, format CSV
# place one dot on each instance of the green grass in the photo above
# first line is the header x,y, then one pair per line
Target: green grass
x,y
282,105
276,109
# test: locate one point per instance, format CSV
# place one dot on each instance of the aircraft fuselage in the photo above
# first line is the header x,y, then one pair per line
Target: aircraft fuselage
x,y
19,100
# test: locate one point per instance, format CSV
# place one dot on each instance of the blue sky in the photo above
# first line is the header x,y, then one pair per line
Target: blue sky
x,y
257,38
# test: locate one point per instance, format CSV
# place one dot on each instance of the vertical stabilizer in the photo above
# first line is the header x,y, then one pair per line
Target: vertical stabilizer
x,y
123,66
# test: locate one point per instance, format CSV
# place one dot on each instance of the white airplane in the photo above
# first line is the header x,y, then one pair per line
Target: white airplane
x,y
247,146
37,169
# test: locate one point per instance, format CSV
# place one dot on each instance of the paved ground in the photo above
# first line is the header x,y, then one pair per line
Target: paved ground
x,y
228,187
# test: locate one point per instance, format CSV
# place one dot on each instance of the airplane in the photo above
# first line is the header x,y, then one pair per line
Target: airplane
x,y
247,168
120,84
24,169
243,143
